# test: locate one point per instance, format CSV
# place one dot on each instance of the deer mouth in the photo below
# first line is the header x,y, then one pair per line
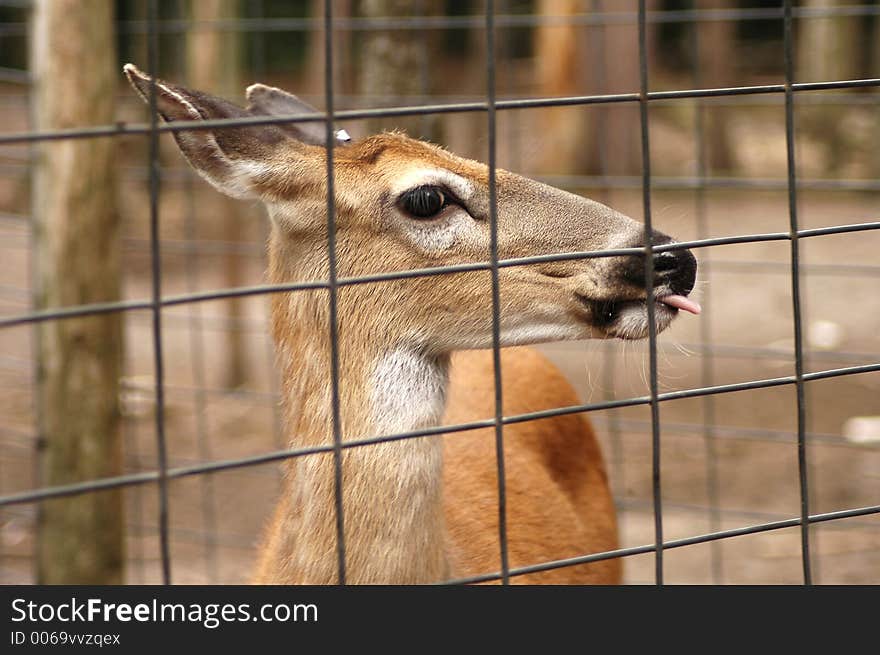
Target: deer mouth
x,y
628,319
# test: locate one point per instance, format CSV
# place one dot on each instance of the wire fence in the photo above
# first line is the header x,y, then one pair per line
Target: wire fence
x,y
151,310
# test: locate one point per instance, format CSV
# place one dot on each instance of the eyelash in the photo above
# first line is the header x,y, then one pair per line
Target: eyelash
x,y
419,202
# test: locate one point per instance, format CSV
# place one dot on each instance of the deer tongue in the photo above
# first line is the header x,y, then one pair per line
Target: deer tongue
x,y
680,302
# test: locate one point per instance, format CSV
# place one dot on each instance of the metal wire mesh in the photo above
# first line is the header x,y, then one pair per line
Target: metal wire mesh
x,y
708,391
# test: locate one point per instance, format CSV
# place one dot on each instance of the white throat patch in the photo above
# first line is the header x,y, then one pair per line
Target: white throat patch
x,y
408,391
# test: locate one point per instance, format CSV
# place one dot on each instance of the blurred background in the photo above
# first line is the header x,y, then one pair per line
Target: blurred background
x,y
77,396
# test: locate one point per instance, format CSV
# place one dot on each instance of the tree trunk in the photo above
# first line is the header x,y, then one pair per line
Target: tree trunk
x,y
314,79
563,68
80,538
827,47
394,64
214,65
827,50
716,52
591,139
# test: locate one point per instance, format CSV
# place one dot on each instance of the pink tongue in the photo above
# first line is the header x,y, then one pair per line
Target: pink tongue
x,y
680,302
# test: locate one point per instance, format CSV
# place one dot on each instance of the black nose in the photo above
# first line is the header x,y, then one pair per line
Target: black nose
x,y
675,269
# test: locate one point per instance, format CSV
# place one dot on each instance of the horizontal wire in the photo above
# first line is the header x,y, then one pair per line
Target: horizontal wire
x,y
130,305
21,366
674,543
476,22
725,432
280,455
840,229
848,99
13,438
244,541
633,505
756,266
722,350
174,174
736,433
122,128
636,505
667,183
217,247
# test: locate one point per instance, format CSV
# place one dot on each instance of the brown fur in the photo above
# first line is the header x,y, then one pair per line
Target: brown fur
x,y
558,501
422,509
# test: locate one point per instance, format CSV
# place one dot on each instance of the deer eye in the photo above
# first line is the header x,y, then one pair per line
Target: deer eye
x,y
424,201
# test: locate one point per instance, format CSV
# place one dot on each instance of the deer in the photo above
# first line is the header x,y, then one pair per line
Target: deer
x,y
415,353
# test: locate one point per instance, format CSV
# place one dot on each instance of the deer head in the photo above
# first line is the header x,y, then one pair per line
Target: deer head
x,y
405,204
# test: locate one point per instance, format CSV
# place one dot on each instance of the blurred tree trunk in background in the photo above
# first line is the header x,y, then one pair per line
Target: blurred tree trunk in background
x,y
137,41
563,68
471,130
394,64
73,62
827,49
573,140
715,56
342,82
214,64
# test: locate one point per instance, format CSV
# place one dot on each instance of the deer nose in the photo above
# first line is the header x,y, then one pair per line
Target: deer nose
x,y
675,269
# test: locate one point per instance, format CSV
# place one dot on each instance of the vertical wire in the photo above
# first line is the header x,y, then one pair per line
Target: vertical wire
x,y
155,268
810,470
707,361
649,289
796,293
333,289
496,292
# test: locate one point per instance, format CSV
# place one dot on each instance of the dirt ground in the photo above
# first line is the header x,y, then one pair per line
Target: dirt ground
x,y
750,443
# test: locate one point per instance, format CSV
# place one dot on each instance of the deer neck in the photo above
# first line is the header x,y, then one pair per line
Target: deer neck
x,y
392,501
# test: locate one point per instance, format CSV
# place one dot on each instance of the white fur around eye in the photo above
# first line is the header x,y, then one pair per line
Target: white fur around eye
x,y
449,227
437,234
459,186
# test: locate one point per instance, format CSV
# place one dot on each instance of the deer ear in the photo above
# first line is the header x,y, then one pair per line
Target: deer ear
x,y
271,101
232,159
